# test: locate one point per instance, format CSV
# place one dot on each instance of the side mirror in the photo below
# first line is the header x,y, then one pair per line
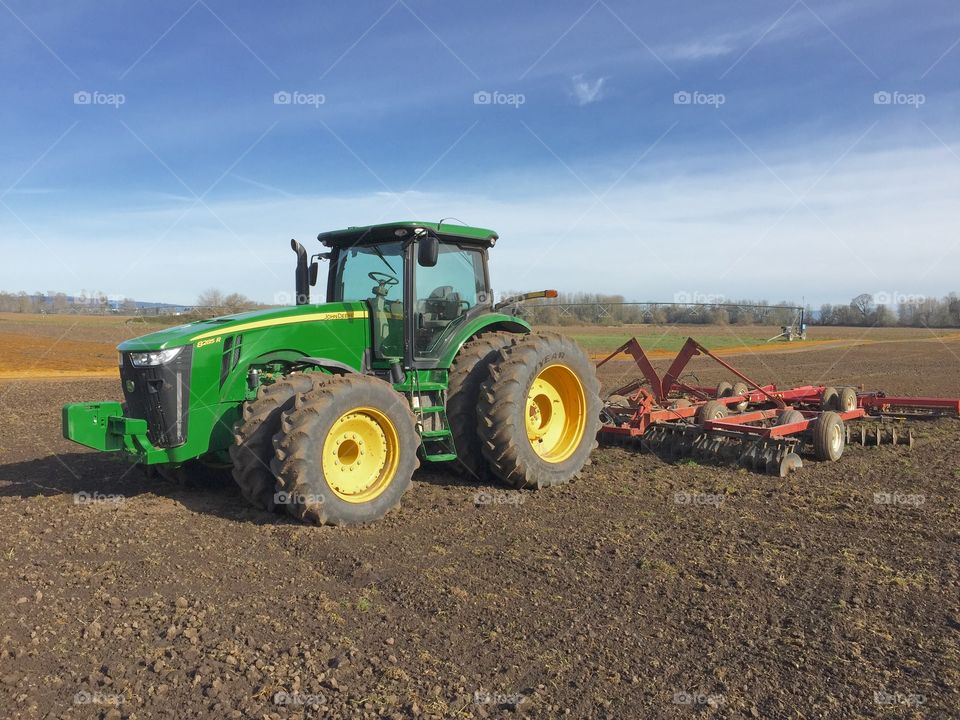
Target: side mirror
x,y
428,250
314,272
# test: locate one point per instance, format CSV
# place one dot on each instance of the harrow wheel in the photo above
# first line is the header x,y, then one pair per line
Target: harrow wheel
x,y
788,417
741,388
847,400
725,389
829,437
830,400
711,410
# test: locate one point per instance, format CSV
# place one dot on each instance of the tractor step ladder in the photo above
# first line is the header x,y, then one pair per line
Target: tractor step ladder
x,y
437,444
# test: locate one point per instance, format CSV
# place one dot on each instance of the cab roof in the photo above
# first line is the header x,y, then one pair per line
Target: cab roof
x,y
404,229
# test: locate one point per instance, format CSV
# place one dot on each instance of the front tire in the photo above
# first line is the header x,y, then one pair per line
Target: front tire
x,y
346,452
539,412
253,436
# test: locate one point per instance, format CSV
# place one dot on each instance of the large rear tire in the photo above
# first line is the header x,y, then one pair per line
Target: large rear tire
x,y
253,449
346,452
470,370
539,411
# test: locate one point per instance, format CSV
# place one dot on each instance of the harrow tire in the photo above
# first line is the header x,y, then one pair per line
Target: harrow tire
x,y
511,417
711,410
372,428
470,369
829,437
830,400
725,389
788,417
847,400
741,388
252,450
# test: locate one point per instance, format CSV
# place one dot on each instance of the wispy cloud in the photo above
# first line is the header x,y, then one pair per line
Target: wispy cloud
x,y
708,47
704,49
585,91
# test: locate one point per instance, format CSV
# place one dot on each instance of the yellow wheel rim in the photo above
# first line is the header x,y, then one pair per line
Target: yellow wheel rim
x,y
360,455
556,413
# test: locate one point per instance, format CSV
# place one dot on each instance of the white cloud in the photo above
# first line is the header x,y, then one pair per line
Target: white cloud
x,y
586,92
705,49
778,28
880,221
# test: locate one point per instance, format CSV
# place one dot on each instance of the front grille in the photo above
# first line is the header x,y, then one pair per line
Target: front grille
x,y
161,396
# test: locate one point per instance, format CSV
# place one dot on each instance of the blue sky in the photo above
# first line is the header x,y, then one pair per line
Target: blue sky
x,y
778,150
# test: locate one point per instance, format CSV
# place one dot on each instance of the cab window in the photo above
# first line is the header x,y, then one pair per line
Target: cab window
x,y
445,293
374,273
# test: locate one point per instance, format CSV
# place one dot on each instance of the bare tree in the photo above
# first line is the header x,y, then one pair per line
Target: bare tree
x,y
215,302
211,298
863,304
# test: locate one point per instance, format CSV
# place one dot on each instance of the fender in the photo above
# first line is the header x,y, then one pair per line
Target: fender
x,y
334,366
484,322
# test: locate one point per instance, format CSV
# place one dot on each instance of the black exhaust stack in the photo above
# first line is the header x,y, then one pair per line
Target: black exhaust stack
x,y
303,273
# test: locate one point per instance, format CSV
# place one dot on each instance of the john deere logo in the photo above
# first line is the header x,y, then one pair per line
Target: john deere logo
x,y
130,386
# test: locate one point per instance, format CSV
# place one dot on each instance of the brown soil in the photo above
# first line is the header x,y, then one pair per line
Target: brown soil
x,y
45,346
796,598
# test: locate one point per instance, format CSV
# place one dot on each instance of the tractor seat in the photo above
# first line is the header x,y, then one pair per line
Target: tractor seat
x,y
443,305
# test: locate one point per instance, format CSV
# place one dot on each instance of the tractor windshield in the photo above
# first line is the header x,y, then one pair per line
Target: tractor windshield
x,y
374,273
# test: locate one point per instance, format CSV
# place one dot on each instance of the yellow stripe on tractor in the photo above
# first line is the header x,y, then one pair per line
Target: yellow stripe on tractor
x,y
313,317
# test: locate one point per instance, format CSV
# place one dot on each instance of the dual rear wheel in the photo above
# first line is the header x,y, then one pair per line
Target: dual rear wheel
x,y
341,450
539,411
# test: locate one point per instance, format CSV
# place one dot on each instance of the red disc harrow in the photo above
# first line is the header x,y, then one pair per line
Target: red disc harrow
x,y
760,427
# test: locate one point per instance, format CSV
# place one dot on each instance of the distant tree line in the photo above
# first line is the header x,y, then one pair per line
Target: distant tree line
x,y
894,309
600,309
209,303
52,301
578,308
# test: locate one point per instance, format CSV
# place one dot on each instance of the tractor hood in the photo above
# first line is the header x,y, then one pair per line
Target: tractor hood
x,y
212,328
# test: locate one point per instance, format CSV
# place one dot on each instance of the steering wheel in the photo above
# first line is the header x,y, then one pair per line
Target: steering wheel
x,y
383,279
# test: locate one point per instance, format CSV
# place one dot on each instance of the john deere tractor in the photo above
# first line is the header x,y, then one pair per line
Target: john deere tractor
x,y
327,409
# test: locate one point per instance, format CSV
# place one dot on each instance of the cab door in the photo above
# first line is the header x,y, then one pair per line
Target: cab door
x,y
444,294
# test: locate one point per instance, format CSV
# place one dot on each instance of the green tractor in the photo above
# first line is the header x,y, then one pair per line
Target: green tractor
x,y
327,409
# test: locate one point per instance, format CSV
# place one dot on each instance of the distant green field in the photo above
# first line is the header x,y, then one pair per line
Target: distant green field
x,y
594,342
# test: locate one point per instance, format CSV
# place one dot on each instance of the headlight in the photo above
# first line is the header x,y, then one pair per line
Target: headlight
x,y
154,357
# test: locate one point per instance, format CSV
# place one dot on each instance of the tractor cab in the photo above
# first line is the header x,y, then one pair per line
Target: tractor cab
x,y
422,282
